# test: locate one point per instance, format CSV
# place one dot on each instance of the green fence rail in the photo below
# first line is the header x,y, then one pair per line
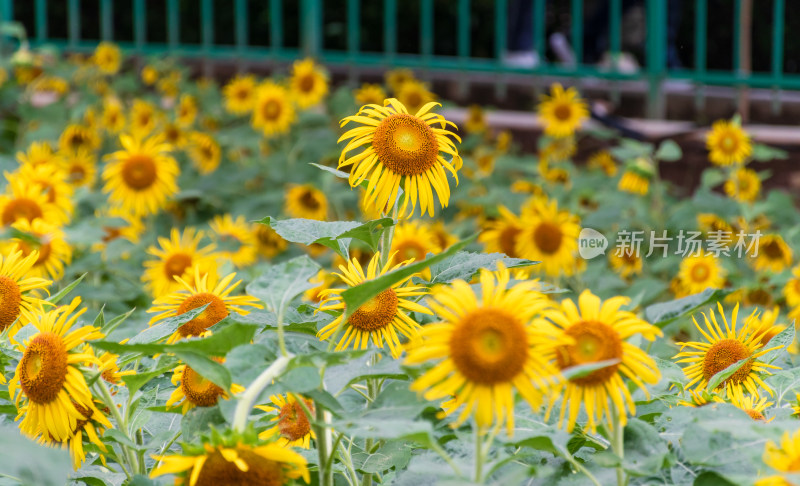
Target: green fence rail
x,y
311,22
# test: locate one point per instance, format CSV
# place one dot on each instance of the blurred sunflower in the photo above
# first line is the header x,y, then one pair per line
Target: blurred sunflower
x,y
240,464
306,201
379,319
186,112
149,75
791,291
743,185
204,151
476,120
143,118
626,264
484,159
80,167
595,331
194,390
234,239
268,242
48,240
19,291
39,153
205,290
710,222
550,236
273,113
75,137
175,135
767,323
752,406
414,95
125,226
724,348
604,161
784,458
240,94
728,143
26,201
308,84
444,239
503,142
369,94
177,256
113,117
558,149
293,428
413,240
140,178
48,380
563,111
774,255
501,234
50,180
698,273
637,176
107,57
325,279
397,77
401,147
483,351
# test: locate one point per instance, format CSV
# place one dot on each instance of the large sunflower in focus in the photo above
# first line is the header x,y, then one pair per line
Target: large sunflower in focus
x,y
205,289
483,350
48,380
563,111
550,236
400,148
273,112
728,143
380,319
141,177
240,94
306,201
19,290
177,257
591,332
308,83
53,250
234,239
724,347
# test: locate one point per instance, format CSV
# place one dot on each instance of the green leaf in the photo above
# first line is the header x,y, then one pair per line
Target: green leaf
x,y
723,375
338,173
281,283
207,368
783,338
134,382
336,235
25,459
392,454
645,451
166,327
357,296
669,151
664,313
581,371
198,421
369,232
465,264
55,298
765,153
109,326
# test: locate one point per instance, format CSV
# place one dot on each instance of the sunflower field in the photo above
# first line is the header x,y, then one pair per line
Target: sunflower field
x,y
268,281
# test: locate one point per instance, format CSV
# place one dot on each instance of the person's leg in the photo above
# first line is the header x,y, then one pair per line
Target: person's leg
x,y
520,26
673,25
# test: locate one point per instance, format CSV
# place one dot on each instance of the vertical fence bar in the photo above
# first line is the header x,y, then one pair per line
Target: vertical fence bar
x,y
737,34
107,20
389,30
500,38
656,56
700,50
41,20
242,31
777,52
615,30
139,25
276,26
353,38
207,32
426,32
73,22
173,25
577,31
464,47
540,28
6,15
311,19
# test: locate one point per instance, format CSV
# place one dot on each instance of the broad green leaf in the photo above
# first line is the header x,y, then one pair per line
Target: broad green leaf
x,y
55,298
247,361
134,382
198,420
783,338
357,296
369,232
723,375
336,235
166,327
664,313
281,283
669,151
581,371
765,153
391,454
645,452
326,400
465,264
207,368
25,459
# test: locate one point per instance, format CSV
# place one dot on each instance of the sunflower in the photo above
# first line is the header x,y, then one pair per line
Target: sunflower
x,y
443,238
306,201
325,279
194,390
774,255
784,458
235,239
501,234
562,112
401,147
558,149
483,349
369,94
698,273
725,348
627,265
149,75
768,325
550,236
187,110
293,428
728,143
80,167
604,161
240,94
127,227
206,290
53,252
476,120
397,77
113,117
743,185
107,57
503,142
39,153
175,135
379,319
75,137
485,160
637,176
791,291
710,222
48,376
204,151
273,113
413,240
239,464
752,406
177,257
308,84
143,118
108,367
590,332
141,177
19,290
91,424
414,95
50,181
23,201
268,242
699,399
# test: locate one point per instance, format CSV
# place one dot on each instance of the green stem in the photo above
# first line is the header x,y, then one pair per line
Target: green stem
x,y
444,455
348,464
249,397
577,465
122,425
387,237
166,447
323,446
373,389
281,334
478,456
618,446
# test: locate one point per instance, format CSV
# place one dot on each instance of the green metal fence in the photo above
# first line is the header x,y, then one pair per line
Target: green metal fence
x,y
311,15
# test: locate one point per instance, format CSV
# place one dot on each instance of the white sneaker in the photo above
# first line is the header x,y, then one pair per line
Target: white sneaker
x,y
562,48
521,59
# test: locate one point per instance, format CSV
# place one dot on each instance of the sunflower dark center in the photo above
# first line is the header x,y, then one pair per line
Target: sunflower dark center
x,y
176,265
306,83
139,172
293,422
405,144
547,237
376,314
773,250
723,354
508,240
21,208
43,368
271,109
216,470
593,341
309,200
215,312
562,112
198,390
10,300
